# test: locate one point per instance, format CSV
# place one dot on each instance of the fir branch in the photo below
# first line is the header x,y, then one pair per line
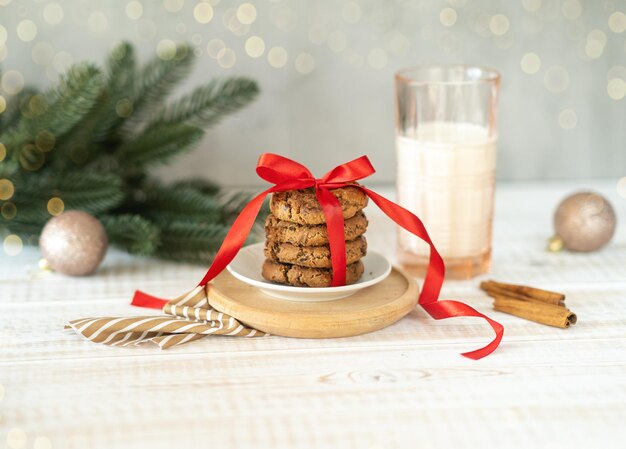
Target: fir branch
x,y
132,233
164,204
207,105
154,83
27,230
59,109
68,104
13,112
201,185
191,242
91,192
120,76
158,145
87,139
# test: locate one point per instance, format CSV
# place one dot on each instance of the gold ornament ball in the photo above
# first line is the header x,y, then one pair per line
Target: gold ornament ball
x,y
585,222
73,243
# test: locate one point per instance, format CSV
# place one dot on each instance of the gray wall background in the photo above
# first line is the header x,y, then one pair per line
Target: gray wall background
x,y
332,100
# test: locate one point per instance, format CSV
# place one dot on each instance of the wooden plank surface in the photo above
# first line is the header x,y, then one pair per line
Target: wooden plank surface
x,y
402,387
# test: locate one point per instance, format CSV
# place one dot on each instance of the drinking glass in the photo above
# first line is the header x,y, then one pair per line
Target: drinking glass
x,y
446,137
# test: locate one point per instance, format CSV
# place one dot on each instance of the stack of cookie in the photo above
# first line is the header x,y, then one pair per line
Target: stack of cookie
x,y
297,250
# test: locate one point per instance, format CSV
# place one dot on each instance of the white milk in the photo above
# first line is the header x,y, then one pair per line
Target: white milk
x,y
446,176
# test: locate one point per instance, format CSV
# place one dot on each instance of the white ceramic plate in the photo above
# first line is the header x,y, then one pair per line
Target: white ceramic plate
x,y
247,268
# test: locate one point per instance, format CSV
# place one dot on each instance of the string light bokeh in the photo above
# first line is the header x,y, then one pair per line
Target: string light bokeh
x,y
326,69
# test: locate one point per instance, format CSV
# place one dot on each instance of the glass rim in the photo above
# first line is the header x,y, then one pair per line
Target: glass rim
x,y
493,76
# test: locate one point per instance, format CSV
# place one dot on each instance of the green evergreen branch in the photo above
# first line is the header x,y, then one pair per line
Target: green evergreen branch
x,y
132,233
165,204
120,78
201,185
57,110
154,83
194,242
206,105
91,192
89,141
12,113
158,145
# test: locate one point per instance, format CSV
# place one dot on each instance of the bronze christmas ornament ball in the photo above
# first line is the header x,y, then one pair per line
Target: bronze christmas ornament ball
x,y
584,222
73,243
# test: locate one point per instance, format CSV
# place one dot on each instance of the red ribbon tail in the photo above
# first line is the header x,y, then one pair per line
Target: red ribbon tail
x,y
233,241
438,309
141,299
447,308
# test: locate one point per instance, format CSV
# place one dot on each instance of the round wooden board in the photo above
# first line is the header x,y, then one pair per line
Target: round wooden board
x,y
367,310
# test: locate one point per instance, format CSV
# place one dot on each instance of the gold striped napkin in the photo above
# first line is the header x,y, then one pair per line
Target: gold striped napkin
x,y
191,318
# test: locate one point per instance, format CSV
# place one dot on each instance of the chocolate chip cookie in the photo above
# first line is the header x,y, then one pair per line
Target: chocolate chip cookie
x,y
313,256
312,235
299,276
301,206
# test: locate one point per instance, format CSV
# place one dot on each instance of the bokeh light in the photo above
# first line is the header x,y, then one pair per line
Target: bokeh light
x,y
8,210
255,46
594,47
12,246
617,22
55,206
499,24
567,119
531,5
530,63
45,140
166,49
203,12
26,30
53,13
226,58
173,5
6,189
277,57
616,88
214,47
447,17
571,9
304,63
124,107
12,82
246,13
134,10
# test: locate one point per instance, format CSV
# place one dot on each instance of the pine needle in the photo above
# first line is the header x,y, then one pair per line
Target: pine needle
x,y
132,233
158,145
207,105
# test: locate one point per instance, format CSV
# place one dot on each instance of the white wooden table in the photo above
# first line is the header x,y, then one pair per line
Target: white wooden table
x,y
402,387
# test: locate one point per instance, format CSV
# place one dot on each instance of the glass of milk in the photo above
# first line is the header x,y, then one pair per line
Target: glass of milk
x,y
446,137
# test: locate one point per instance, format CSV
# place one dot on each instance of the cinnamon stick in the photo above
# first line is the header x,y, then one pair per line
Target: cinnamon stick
x,y
534,304
522,292
544,313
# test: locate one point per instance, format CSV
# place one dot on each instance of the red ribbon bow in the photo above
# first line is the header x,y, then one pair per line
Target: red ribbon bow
x,y
287,174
